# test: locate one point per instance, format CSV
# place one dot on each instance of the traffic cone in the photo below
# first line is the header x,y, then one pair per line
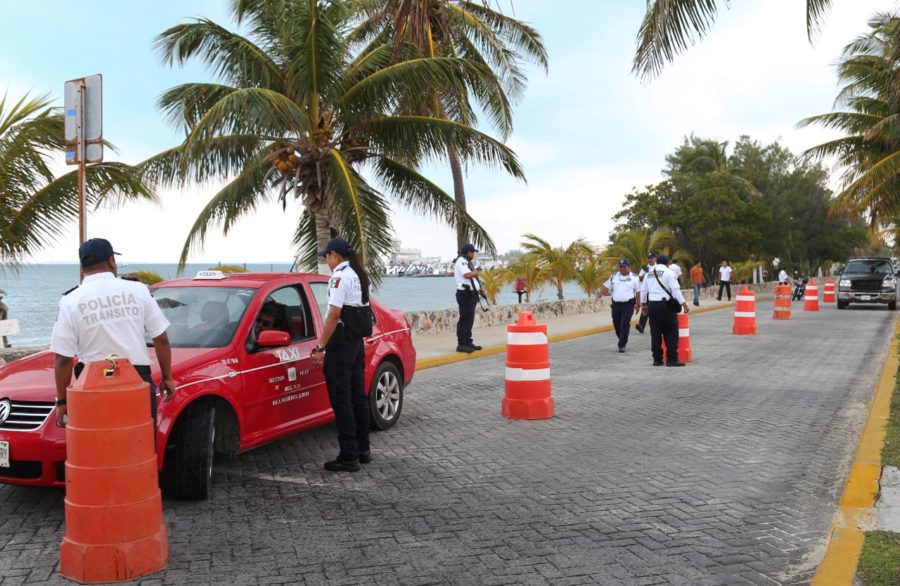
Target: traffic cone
x,y
527,385
829,296
684,340
745,313
782,302
114,525
811,297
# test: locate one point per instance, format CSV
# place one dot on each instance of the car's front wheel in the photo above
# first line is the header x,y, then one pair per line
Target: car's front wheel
x,y
194,451
892,305
842,305
386,396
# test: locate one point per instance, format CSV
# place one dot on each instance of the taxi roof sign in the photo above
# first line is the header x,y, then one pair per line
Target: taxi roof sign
x,y
209,275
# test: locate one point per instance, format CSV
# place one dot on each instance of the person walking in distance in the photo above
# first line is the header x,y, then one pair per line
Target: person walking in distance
x,y
658,287
4,314
625,289
467,287
724,280
782,277
697,281
676,270
104,316
651,262
341,352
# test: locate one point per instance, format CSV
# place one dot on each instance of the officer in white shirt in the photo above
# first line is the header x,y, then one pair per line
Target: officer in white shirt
x,y
783,277
625,289
342,352
467,290
676,270
658,286
651,262
106,315
724,279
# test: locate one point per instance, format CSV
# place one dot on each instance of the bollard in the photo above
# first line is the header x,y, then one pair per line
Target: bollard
x,y
114,525
829,296
527,385
745,313
811,298
782,302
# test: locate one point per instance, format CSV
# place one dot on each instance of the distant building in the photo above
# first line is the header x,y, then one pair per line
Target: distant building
x,y
404,256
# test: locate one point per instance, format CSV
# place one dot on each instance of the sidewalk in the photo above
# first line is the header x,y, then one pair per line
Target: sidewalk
x,y
439,349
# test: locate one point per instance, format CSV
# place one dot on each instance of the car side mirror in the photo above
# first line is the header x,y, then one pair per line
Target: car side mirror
x,y
273,339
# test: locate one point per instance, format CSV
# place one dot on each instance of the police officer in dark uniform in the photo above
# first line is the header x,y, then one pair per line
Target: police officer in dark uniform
x,y
340,349
659,286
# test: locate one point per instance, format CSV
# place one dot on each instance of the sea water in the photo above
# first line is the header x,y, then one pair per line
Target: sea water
x,y
32,293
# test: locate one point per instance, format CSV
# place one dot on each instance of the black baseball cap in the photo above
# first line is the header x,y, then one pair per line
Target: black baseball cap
x,y
623,262
95,251
468,247
651,255
662,259
338,245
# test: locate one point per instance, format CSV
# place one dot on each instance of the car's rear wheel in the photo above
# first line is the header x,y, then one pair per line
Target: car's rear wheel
x,y
892,305
194,451
842,305
386,396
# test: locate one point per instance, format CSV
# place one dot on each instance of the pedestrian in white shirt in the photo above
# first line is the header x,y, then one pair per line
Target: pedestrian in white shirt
x,y
724,279
658,287
676,270
625,289
782,277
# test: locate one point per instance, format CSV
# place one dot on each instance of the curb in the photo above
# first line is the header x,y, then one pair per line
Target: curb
x,y
425,363
846,536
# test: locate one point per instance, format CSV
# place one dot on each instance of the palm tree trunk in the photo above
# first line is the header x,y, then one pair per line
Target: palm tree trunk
x,y
323,235
559,287
459,194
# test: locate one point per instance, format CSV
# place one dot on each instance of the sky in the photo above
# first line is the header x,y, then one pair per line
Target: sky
x,y
587,132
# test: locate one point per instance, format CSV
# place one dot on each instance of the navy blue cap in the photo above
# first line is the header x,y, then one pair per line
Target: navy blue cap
x,y
623,262
468,247
338,245
95,251
651,255
662,259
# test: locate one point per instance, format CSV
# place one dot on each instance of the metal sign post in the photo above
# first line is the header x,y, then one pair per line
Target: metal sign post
x,y
84,134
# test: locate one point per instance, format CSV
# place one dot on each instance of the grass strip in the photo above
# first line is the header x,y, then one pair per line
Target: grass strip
x,y
879,564
890,453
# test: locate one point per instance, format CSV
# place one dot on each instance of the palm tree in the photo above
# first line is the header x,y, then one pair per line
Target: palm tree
x,y
35,205
559,262
493,280
530,268
671,26
870,150
591,276
636,245
464,29
296,115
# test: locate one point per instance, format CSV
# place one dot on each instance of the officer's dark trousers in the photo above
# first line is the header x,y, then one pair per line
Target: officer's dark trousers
x,y
467,301
621,316
663,326
724,285
642,321
344,375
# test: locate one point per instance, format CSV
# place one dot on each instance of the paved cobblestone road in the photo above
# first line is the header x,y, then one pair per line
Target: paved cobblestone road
x,y
724,472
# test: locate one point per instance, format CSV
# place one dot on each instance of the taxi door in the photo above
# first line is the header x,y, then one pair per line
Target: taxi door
x,y
283,390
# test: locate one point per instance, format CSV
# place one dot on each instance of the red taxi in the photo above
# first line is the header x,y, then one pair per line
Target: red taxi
x,y
239,386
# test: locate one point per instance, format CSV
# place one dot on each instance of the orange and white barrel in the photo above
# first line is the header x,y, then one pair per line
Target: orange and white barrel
x,y
811,298
745,313
782,302
829,296
528,389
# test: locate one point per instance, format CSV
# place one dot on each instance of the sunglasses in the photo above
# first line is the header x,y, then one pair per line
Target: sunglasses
x,y
265,322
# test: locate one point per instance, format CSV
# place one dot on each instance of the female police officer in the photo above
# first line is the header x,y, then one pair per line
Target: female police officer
x,y
341,350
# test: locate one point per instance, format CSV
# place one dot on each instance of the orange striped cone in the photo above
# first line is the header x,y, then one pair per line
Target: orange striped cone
x,y
684,340
811,298
745,313
829,296
527,371
782,302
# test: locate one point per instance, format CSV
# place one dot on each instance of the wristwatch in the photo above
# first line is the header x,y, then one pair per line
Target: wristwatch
x,y
319,348
59,402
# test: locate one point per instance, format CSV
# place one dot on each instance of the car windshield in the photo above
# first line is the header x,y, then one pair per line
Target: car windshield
x,y
875,267
202,317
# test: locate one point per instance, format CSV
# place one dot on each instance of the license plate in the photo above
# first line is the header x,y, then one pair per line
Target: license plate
x,y
865,297
4,454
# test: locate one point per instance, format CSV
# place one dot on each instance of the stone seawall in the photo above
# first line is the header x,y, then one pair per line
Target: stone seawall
x,y
444,320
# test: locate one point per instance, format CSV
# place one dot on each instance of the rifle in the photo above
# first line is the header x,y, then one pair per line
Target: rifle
x,y
476,286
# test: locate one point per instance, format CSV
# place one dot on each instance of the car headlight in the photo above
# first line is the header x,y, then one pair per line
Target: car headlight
x,y
844,283
889,282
